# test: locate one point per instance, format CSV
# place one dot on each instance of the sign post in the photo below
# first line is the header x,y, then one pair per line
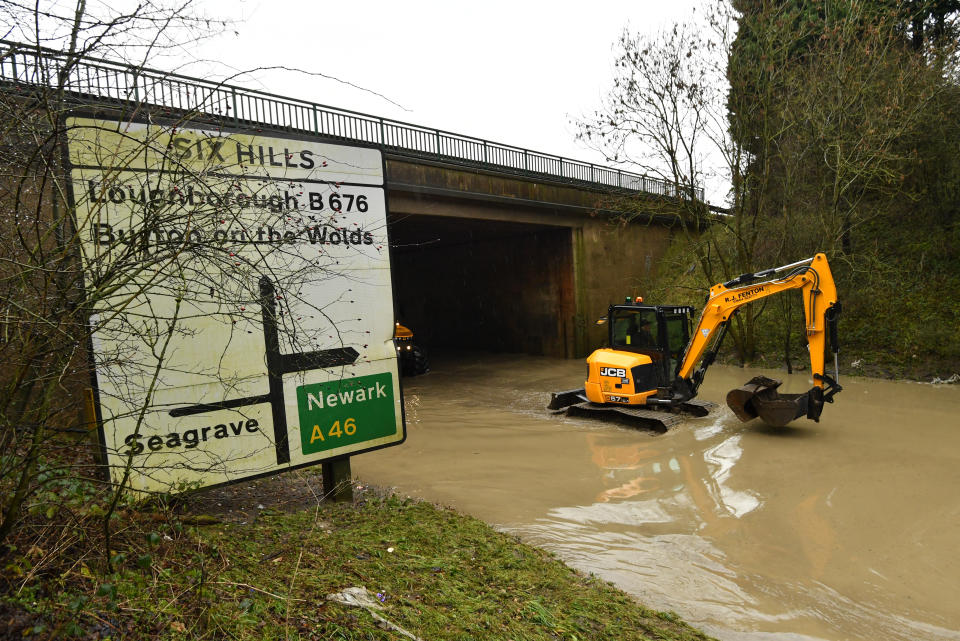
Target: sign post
x,y
337,484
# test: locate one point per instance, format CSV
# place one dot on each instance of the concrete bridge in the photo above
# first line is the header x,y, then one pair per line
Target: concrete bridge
x,y
494,247
484,260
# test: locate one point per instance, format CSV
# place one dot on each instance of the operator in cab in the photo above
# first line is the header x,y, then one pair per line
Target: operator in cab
x,y
641,336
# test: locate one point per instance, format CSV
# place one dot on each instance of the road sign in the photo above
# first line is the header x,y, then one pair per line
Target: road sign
x,y
233,275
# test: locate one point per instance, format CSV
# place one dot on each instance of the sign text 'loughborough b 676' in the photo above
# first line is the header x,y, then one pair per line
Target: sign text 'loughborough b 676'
x,y
243,311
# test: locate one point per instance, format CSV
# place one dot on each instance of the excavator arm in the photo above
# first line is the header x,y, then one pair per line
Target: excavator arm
x,y
759,397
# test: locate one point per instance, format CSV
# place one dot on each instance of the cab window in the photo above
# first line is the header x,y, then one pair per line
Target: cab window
x,y
635,330
677,337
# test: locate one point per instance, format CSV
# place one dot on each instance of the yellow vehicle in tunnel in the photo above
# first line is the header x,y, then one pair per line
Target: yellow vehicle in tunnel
x,y
412,358
657,360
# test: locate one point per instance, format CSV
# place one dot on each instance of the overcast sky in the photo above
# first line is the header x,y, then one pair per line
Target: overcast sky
x,y
512,72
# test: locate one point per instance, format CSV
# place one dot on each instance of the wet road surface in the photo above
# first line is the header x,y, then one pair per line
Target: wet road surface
x,y
846,529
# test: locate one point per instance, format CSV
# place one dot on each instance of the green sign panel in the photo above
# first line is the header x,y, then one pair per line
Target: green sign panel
x,y
345,411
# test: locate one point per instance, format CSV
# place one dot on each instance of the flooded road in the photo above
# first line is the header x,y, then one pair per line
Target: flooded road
x,y
846,529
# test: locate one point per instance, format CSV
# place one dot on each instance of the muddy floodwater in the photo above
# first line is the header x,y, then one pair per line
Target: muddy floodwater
x,y
846,529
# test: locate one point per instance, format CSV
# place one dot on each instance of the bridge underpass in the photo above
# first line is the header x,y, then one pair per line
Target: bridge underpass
x,y
467,284
500,263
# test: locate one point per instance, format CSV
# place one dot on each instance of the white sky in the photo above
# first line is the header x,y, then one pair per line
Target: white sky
x,y
512,72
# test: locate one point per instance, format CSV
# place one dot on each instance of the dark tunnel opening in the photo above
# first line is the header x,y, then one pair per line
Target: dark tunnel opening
x,y
480,285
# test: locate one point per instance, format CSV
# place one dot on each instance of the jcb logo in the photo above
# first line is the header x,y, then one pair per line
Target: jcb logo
x,y
618,372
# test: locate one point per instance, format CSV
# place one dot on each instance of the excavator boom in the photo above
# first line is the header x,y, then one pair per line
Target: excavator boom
x,y
759,396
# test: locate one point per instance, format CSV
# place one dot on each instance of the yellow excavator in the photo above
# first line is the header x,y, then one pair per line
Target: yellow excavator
x,y
657,360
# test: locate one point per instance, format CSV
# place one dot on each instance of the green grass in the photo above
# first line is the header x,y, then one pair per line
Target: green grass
x,y
438,575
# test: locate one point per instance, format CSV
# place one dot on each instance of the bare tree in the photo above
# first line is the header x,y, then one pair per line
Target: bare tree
x,y
809,121
667,113
130,228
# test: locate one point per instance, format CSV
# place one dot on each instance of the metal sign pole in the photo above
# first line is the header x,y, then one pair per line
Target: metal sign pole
x,y
337,481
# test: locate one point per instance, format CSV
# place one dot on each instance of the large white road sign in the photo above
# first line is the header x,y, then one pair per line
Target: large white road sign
x,y
242,300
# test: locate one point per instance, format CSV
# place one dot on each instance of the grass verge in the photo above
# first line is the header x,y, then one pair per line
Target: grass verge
x,y
430,573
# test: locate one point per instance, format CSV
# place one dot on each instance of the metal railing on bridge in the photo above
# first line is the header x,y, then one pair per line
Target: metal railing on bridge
x,y
87,78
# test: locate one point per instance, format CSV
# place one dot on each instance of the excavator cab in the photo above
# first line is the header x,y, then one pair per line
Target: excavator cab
x,y
660,332
631,378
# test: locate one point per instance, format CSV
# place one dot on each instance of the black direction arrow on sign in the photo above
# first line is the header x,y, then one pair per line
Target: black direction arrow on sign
x,y
277,365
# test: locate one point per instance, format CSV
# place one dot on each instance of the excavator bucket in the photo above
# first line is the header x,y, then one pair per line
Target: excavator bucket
x,y
759,398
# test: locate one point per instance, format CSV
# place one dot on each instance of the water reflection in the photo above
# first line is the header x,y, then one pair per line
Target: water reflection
x,y
700,476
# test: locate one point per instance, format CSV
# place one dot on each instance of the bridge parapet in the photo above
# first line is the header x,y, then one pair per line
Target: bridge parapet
x,y
85,78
